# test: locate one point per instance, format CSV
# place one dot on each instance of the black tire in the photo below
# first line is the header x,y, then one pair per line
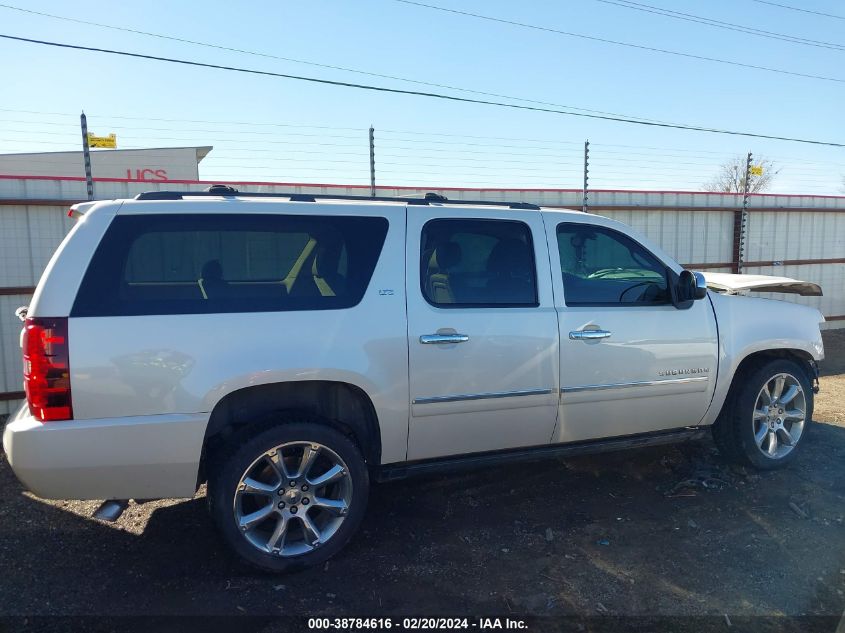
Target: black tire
x,y
228,469
733,431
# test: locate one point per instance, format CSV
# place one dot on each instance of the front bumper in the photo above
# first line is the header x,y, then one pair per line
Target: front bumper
x,y
146,457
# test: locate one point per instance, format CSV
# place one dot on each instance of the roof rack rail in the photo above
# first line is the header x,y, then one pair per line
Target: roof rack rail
x,y
227,191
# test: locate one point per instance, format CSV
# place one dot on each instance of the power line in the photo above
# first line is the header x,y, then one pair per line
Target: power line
x,y
730,26
288,125
466,162
445,168
452,153
295,142
430,95
791,8
140,118
380,131
465,144
620,43
500,138
183,129
182,138
301,61
661,149
604,155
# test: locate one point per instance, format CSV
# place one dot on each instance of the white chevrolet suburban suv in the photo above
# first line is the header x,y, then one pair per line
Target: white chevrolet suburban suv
x,y
289,349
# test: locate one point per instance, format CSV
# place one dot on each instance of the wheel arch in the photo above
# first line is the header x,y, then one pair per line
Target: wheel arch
x,y
755,359
736,367
340,405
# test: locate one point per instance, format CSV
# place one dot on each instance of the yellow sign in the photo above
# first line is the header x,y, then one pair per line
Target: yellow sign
x,y
756,170
102,141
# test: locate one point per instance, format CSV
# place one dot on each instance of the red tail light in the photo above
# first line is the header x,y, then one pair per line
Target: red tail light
x,y
46,370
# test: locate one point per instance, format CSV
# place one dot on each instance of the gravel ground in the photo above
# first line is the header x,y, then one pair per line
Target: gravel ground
x,y
659,531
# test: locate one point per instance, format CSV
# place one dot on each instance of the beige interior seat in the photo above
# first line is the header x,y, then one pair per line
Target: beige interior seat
x,y
437,282
293,274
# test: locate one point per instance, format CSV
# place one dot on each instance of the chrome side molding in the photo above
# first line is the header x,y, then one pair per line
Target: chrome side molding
x,y
483,396
639,383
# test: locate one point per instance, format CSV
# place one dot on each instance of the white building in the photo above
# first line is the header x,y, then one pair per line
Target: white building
x,y
154,164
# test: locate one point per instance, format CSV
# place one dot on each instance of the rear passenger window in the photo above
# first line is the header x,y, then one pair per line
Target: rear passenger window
x,y
194,264
477,263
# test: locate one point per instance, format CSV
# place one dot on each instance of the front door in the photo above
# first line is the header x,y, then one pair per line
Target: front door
x,y
482,331
631,362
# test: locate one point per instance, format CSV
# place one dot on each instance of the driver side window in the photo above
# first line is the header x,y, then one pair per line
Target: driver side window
x,y
601,266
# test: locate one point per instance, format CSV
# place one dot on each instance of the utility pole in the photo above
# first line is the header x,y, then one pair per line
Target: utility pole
x,y
586,172
372,162
743,218
86,155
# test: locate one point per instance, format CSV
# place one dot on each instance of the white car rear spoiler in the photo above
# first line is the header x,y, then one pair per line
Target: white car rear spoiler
x,y
740,284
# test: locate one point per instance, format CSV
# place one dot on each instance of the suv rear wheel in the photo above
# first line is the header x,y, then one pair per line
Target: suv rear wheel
x,y
767,415
290,496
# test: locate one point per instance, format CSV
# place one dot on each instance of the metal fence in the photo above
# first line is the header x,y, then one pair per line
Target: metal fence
x,y
793,236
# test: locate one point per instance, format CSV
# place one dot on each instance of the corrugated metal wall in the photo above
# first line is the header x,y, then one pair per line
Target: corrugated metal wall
x,y
696,228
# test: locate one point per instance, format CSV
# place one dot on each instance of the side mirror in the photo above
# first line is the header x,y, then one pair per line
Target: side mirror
x,y
691,286
700,285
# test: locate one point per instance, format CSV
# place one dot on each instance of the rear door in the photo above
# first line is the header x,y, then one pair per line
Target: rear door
x,y
482,331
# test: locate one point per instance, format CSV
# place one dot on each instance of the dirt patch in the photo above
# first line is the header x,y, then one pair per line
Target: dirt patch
x,y
667,530
828,404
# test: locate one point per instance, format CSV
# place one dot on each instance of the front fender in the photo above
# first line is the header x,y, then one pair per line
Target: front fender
x,y
748,325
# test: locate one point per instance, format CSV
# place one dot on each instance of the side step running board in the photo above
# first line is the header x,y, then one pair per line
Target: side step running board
x,y
537,453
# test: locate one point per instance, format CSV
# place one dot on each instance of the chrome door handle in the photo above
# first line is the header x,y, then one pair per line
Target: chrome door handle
x,y
580,335
443,339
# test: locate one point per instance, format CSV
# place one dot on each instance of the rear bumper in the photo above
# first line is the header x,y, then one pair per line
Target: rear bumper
x,y
145,457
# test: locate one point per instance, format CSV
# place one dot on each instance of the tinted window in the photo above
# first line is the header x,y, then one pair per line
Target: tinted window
x,y
602,266
191,264
477,263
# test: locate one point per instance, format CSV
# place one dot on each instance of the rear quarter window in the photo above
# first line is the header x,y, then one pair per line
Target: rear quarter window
x,y
199,264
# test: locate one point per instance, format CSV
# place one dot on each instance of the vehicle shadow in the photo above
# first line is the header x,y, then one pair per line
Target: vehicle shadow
x,y
664,530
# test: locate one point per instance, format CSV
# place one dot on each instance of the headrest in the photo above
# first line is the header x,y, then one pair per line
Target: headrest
x,y
445,256
510,256
212,270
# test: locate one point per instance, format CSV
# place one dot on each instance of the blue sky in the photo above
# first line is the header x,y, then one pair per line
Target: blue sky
x,y
278,129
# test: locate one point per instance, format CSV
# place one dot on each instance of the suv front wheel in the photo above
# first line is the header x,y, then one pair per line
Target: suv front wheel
x,y
767,415
290,496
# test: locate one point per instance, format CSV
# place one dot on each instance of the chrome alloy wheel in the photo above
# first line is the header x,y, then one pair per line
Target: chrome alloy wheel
x,y
779,415
293,498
